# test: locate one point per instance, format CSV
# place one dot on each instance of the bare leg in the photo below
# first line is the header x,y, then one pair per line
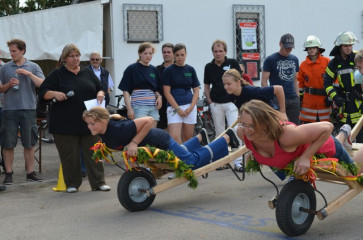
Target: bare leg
x,y
187,131
175,131
29,159
341,137
8,158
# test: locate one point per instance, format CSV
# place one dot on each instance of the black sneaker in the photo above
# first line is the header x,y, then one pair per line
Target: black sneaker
x,y
205,138
8,179
233,140
33,177
2,188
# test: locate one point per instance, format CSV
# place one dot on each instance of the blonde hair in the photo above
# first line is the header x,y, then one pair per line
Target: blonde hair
x,y
358,57
219,42
98,114
236,76
143,46
68,49
264,118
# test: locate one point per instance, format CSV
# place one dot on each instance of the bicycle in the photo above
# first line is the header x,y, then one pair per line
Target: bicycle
x,y
112,109
204,119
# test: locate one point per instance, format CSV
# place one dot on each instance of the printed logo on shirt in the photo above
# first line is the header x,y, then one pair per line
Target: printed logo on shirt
x,y
226,68
152,75
188,74
287,70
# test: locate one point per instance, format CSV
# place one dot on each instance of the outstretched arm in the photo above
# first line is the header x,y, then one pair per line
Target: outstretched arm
x,y
280,95
143,126
314,133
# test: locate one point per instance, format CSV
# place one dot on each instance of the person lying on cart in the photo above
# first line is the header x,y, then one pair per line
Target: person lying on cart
x,y
130,134
276,142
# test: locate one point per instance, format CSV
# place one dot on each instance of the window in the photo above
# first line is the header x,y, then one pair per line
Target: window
x,y
143,22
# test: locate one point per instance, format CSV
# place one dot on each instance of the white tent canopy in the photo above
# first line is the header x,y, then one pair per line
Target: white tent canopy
x,y
46,32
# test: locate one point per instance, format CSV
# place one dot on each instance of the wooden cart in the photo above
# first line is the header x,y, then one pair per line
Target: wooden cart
x,y
295,205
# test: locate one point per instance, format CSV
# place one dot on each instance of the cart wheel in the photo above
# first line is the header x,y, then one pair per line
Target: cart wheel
x,y
128,189
294,195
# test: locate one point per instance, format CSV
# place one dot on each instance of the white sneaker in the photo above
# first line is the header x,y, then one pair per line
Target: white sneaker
x,y
71,190
104,188
346,129
172,176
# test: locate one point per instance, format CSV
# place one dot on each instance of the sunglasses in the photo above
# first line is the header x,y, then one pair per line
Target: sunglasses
x,y
95,59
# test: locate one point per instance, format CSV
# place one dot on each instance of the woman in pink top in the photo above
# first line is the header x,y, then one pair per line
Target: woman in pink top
x,y
276,142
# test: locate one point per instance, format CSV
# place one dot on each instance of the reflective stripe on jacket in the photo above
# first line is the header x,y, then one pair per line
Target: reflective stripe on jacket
x,y
311,76
339,80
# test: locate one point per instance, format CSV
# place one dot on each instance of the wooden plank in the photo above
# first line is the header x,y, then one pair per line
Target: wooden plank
x,y
200,171
340,201
356,129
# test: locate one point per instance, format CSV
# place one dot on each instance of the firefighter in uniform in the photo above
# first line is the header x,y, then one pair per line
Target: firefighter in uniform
x,y
311,83
339,82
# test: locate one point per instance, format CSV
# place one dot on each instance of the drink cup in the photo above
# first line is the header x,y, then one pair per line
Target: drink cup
x,y
16,87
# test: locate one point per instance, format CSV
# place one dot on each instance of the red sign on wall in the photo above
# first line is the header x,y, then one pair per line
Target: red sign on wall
x,y
251,56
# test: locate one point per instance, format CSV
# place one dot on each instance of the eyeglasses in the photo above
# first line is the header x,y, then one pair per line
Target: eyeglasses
x,y
245,126
95,59
74,56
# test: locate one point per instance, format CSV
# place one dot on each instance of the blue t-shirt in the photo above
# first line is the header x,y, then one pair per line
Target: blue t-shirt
x,y
282,72
181,80
138,76
119,133
248,93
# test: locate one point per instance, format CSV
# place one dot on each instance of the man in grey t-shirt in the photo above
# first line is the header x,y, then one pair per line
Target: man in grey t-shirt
x,y
19,78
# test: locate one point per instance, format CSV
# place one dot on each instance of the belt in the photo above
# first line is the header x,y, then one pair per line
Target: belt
x,y
315,91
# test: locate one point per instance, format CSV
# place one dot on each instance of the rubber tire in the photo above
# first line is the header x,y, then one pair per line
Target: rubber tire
x,y
300,193
128,182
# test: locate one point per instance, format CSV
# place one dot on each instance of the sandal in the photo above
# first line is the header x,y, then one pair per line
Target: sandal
x,y
226,166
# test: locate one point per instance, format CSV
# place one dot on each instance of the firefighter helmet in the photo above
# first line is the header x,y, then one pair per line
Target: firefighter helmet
x,y
345,38
313,41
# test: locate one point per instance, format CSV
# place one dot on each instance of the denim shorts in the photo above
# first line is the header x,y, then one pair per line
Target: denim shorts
x,y
12,120
341,153
146,111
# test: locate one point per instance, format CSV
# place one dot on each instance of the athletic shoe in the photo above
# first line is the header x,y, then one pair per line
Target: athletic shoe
x,y
103,188
8,179
71,190
205,138
33,177
233,140
2,188
238,168
172,176
346,129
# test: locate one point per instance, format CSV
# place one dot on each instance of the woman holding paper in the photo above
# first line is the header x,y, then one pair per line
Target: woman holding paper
x,y
65,121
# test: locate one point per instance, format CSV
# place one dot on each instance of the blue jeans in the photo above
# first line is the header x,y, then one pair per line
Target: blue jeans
x,y
192,153
341,153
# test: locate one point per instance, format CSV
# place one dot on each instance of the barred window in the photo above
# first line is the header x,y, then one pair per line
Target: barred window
x,y
142,22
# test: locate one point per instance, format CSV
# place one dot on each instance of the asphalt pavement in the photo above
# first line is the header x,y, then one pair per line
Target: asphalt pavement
x,y
220,208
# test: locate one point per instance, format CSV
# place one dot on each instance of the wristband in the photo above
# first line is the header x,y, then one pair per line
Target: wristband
x,y
134,142
177,109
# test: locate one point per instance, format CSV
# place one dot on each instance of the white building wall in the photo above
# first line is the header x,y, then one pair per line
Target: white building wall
x,y
197,23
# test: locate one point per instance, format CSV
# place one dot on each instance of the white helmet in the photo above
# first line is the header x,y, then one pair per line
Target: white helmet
x,y
313,41
345,38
